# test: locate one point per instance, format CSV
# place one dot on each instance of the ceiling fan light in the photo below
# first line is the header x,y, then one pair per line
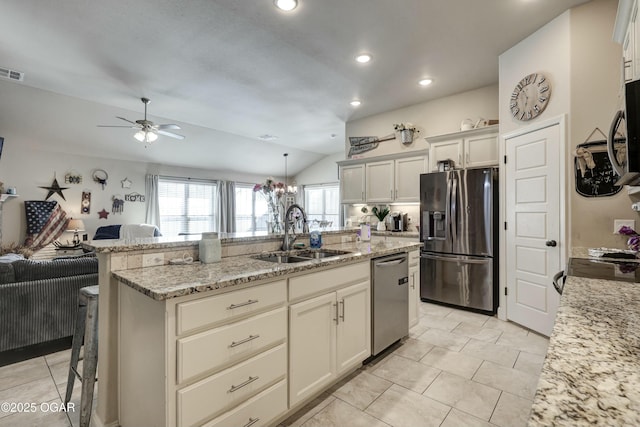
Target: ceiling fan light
x,y
151,136
139,136
286,5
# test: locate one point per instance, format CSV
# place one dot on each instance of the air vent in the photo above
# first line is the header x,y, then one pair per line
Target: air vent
x,y
14,75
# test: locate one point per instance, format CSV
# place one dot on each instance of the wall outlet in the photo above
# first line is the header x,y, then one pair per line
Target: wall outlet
x,y
345,239
617,223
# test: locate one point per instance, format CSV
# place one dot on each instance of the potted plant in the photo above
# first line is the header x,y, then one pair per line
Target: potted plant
x,y
380,214
406,132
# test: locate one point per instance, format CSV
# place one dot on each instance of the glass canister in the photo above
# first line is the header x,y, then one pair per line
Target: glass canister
x,y
210,249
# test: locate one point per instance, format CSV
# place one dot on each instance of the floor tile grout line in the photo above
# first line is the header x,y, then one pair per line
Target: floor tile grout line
x,y
53,380
364,411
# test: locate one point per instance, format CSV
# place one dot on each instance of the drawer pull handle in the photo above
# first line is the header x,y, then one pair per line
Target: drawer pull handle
x,y
251,301
239,386
249,338
251,422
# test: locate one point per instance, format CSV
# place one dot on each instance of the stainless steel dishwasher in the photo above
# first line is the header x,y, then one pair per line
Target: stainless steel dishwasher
x,y
389,301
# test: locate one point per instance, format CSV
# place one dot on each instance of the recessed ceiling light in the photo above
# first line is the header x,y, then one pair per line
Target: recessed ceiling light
x,y
425,82
363,58
267,137
286,5
355,103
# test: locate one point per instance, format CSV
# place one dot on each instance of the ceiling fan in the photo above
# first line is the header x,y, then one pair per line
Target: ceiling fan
x,y
147,130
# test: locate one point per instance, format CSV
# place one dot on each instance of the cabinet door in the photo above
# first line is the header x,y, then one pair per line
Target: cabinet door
x,y
634,33
312,346
445,150
414,294
408,178
628,47
354,326
352,184
379,182
481,151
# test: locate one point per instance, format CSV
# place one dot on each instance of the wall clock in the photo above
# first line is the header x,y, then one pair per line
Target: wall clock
x,y
530,97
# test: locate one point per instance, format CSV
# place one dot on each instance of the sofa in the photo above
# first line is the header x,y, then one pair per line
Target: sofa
x,y
39,299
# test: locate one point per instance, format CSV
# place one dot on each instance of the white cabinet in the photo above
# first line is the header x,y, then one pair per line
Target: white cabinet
x,y
469,149
379,183
395,179
414,287
627,32
352,180
407,178
329,334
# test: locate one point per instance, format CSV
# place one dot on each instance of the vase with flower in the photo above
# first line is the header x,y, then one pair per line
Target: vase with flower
x,y
381,214
272,192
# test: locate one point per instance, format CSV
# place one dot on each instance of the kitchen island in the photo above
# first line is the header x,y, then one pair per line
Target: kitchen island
x,y
162,326
591,374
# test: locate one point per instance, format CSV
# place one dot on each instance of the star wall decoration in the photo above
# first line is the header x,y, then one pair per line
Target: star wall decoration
x,y
55,188
126,183
103,214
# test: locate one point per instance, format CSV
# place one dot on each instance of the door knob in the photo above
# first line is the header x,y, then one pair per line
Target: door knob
x,y
551,243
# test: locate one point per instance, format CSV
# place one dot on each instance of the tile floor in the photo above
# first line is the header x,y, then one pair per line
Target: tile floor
x,y
456,369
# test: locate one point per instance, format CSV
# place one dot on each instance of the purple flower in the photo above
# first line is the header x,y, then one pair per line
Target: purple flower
x,y
628,231
634,243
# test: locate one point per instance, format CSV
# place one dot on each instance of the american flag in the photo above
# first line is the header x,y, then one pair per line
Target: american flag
x,y
46,221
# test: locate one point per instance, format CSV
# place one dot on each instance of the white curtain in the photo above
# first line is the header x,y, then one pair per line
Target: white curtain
x,y
152,214
227,206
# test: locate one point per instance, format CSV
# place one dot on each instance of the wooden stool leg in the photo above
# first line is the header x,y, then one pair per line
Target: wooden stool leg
x,y
90,362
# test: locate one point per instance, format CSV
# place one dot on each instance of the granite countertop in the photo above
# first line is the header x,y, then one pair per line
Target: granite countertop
x,y
126,245
395,233
170,281
591,374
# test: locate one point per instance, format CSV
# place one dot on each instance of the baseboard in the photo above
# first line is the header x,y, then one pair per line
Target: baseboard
x,y
36,350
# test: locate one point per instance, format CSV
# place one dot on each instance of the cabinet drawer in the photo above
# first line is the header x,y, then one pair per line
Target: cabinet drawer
x,y
208,311
231,386
257,411
319,283
211,349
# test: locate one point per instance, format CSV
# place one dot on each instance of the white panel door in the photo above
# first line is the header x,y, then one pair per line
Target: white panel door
x,y
408,178
354,326
533,246
312,346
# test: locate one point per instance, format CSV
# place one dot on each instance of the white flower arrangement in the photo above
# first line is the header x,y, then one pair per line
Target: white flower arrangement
x,y
404,126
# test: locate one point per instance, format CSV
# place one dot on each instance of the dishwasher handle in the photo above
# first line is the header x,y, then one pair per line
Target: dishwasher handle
x,y
391,262
556,281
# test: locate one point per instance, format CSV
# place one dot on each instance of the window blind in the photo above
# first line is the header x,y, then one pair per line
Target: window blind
x,y
187,206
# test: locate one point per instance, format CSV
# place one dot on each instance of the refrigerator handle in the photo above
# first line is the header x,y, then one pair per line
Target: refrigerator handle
x,y
447,207
454,209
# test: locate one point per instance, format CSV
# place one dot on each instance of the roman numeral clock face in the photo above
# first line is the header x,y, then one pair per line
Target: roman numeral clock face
x,y
530,97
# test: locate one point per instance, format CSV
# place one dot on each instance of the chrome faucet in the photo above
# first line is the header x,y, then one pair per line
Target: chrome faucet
x,y
290,223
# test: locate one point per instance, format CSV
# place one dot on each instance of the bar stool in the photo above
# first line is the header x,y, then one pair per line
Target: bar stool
x,y
87,329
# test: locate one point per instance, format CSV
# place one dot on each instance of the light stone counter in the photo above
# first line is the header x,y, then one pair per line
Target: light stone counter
x,y
170,281
591,374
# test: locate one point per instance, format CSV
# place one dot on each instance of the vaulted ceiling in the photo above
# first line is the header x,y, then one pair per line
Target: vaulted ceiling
x,y
230,71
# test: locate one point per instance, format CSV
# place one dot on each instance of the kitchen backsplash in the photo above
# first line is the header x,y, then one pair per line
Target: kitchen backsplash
x,y
354,212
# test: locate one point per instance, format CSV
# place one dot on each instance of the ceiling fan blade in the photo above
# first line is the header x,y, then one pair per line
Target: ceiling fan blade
x,y
170,134
111,126
167,126
126,120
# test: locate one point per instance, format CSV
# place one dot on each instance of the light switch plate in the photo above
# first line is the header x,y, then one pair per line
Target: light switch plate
x,y
618,223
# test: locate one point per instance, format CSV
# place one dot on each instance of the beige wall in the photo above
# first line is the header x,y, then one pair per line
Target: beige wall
x,y
595,80
577,53
435,117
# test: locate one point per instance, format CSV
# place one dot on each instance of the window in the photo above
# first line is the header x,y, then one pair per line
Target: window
x,y
187,206
251,209
322,203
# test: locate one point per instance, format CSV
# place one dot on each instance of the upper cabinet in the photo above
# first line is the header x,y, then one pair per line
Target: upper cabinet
x,y
352,183
627,32
468,149
388,179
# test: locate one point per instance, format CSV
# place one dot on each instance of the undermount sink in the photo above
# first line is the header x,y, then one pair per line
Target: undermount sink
x,y
305,255
280,259
322,253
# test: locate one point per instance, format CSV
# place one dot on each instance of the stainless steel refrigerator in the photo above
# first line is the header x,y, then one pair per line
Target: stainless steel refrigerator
x,y
458,228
